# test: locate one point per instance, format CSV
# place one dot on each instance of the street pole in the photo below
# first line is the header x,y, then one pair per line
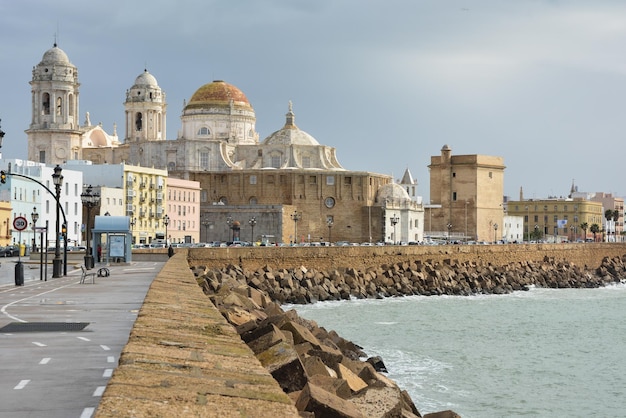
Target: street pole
x,y
57,263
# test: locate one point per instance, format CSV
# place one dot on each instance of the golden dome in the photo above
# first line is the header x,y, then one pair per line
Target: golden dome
x,y
218,93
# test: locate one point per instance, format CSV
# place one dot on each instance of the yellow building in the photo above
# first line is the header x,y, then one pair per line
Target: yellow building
x,y
144,195
558,219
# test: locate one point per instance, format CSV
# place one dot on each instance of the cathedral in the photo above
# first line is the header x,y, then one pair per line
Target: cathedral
x,y
285,188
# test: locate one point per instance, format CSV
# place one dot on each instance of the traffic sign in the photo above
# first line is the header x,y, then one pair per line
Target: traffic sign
x,y
20,223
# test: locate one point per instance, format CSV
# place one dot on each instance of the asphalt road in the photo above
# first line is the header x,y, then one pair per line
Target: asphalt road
x,y
49,366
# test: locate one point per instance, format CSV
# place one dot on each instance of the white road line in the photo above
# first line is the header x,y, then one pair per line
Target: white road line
x,y
110,359
107,373
45,360
99,391
39,344
3,310
83,338
105,348
87,412
22,384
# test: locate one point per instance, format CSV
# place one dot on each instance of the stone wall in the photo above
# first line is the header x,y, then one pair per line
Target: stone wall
x,y
588,255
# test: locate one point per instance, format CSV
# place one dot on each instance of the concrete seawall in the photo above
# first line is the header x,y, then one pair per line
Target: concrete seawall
x,y
327,258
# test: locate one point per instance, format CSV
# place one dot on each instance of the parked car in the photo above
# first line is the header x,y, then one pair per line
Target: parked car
x,y
9,251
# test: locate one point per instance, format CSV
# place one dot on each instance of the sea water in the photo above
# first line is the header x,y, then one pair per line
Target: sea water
x,y
539,353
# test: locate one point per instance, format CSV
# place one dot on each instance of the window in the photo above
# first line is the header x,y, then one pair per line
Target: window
x,y
454,196
490,175
453,175
312,180
347,181
253,201
270,179
253,179
42,156
275,161
306,162
45,103
330,180
204,159
138,121
204,131
59,106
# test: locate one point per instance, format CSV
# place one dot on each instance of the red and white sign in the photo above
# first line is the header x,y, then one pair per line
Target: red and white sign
x,y
20,223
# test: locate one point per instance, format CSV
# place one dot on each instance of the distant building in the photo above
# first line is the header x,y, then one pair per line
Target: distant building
x,y
293,186
466,193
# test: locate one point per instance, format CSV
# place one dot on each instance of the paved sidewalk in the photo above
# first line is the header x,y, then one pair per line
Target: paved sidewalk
x,y
49,367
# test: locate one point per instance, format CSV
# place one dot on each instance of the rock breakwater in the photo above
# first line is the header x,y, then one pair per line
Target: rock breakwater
x,y
323,373
449,277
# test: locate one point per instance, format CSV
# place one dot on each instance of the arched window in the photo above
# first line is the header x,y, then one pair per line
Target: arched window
x,y
138,121
204,131
253,201
45,103
59,106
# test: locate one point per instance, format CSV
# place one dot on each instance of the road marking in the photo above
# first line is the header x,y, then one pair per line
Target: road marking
x,y
99,391
107,373
3,310
21,385
87,412
110,359
83,338
39,344
105,348
45,360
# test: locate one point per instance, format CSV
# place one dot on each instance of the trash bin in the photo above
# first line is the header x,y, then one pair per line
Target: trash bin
x,y
22,250
19,274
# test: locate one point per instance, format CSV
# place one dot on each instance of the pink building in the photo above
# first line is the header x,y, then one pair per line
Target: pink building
x,y
183,210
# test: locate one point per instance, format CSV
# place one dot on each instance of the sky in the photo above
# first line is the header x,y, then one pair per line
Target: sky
x,y
540,83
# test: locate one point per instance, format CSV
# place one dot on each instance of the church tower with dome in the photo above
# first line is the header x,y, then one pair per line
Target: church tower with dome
x,y
54,129
145,110
55,134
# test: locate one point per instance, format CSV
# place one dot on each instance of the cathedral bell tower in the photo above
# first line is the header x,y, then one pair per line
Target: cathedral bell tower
x,y
54,129
145,108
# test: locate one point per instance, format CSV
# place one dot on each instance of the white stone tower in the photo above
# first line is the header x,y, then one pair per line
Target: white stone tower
x,y
54,133
145,110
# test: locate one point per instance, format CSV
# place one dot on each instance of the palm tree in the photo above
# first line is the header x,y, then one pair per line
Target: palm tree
x,y
595,228
584,226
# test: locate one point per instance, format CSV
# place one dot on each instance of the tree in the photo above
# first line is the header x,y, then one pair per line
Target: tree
x,y
584,226
595,228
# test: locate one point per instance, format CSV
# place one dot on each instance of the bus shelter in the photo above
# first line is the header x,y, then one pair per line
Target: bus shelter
x,y
112,239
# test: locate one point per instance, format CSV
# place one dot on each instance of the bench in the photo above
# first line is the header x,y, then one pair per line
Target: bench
x,y
87,275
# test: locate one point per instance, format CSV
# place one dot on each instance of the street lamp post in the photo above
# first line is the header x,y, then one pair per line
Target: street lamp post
x,y
330,223
34,216
252,222
449,226
296,217
466,202
206,223
394,221
495,233
57,179
132,227
527,223
166,222
229,222
90,200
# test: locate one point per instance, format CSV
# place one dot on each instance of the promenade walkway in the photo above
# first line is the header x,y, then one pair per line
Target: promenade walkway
x,y
144,342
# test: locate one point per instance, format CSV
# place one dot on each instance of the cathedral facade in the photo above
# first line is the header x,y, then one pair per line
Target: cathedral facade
x,y
285,188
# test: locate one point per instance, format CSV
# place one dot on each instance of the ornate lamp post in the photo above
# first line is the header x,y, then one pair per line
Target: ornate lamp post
x,y
449,226
252,222
329,223
394,221
132,227
296,217
34,216
495,233
57,263
90,200
206,223
166,222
